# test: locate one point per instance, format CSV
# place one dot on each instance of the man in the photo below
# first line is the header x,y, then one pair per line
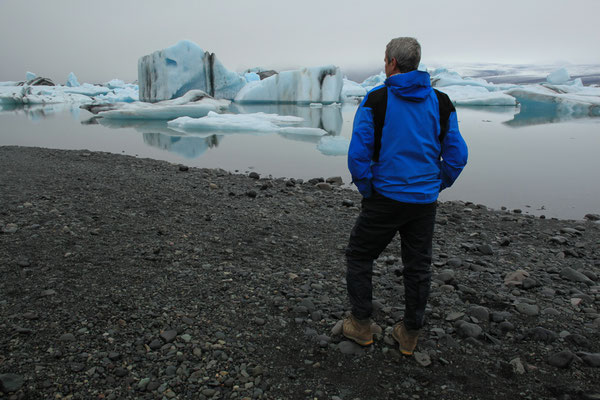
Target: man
x,y
405,149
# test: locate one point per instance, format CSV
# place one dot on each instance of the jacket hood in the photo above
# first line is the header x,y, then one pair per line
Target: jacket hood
x,y
412,86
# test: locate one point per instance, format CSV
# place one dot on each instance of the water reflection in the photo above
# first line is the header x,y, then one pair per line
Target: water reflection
x,y
186,146
39,112
328,118
539,113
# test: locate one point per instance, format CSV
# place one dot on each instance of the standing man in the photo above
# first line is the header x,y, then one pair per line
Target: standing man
x,y
405,149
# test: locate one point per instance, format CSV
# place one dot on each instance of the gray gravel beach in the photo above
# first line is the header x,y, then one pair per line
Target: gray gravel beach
x,y
127,278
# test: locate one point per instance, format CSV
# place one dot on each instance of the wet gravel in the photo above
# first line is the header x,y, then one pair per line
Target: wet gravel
x,y
128,278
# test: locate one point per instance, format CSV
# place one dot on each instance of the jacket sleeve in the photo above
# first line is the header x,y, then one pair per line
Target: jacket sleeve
x,y
454,153
361,149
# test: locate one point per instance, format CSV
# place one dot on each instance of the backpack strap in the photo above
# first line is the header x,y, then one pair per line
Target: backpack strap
x,y
445,109
377,102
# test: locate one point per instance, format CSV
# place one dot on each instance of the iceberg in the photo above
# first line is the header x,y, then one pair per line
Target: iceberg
x,y
579,102
258,123
126,94
170,73
352,91
251,77
558,77
116,84
29,76
306,85
27,94
72,80
374,81
194,103
442,77
334,145
477,96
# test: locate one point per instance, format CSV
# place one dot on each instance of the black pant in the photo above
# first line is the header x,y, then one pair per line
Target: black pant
x,y
375,228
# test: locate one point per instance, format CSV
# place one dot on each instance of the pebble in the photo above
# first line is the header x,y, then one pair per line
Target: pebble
x,y
169,335
575,276
467,329
528,309
10,228
324,186
48,292
121,372
253,175
348,347
515,278
518,367
485,249
67,337
481,313
422,358
591,359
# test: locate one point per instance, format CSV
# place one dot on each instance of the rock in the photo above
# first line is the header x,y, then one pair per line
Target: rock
x,y
251,193
253,175
454,262
67,337
422,358
259,321
323,186
591,359
528,309
530,283
518,367
445,276
10,228
121,372
562,359
575,276
592,217
347,203
169,335
155,344
348,347
481,313
541,334
10,382
337,328
335,180
48,292
184,168
467,329
558,239
485,249
516,278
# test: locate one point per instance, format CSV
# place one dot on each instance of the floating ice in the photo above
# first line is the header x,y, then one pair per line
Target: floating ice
x,y
477,96
27,94
126,94
558,77
29,76
328,118
115,84
170,73
306,85
352,90
248,123
374,81
334,145
72,80
86,89
194,103
442,77
580,102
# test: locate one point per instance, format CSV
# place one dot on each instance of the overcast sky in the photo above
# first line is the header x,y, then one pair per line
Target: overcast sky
x,y
101,40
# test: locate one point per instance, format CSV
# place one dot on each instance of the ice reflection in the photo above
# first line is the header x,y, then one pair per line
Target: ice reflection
x,y
328,118
545,113
186,146
39,112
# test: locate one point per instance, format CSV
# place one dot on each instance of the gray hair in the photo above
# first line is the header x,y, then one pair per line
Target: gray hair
x,y
406,51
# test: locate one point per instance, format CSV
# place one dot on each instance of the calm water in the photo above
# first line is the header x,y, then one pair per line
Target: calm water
x,y
535,162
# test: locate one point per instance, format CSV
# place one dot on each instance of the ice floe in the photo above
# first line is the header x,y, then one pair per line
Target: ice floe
x,y
352,90
477,96
194,103
306,85
258,123
334,145
172,72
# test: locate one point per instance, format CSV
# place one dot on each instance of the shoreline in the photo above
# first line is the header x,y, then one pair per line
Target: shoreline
x,y
128,277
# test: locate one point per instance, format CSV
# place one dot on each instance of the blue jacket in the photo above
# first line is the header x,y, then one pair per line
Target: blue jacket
x,y
395,147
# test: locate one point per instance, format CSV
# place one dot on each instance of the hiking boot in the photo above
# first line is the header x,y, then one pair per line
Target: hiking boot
x,y
406,338
358,330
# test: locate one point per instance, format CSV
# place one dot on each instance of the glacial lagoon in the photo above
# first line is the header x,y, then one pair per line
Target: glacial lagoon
x,y
533,160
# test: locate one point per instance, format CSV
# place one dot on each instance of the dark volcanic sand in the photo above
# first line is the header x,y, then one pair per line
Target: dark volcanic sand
x,y
128,278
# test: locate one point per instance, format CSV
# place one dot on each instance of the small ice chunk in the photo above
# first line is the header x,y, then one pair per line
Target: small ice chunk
x,y
29,76
257,122
373,81
115,84
559,77
72,80
334,145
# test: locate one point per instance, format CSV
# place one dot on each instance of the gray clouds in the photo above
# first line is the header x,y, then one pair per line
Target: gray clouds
x,y
103,40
